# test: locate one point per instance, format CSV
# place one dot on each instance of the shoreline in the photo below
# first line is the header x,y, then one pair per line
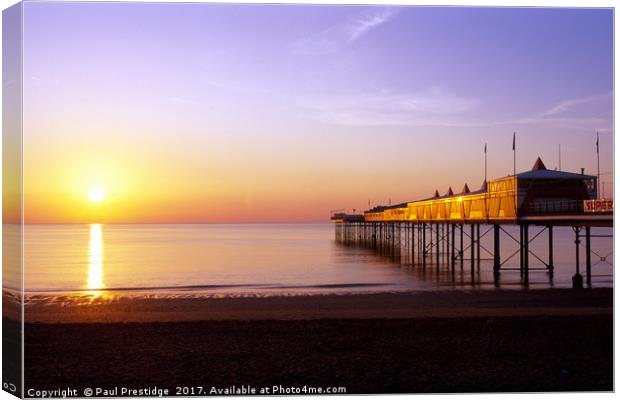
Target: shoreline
x,y
396,305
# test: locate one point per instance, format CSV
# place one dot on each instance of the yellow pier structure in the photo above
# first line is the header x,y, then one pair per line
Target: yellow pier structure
x,y
540,197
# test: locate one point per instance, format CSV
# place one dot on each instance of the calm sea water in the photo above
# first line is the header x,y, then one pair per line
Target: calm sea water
x,y
265,259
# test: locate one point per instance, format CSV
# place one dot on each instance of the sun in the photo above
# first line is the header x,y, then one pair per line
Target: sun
x,y
96,194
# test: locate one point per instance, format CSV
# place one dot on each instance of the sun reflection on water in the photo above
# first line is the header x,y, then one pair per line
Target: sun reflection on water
x,y
95,260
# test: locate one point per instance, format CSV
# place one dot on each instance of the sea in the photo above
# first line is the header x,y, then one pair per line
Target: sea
x,y
231,260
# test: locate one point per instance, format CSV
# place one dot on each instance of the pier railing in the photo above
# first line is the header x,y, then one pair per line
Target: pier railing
x,y
556,207
567,207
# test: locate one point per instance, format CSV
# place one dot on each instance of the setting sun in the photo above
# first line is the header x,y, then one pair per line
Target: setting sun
x,y
96,194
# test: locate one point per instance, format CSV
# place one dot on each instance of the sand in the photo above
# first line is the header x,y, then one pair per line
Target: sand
x,y
423,304
453,341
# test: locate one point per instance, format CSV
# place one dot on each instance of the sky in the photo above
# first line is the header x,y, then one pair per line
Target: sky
x,y
184,113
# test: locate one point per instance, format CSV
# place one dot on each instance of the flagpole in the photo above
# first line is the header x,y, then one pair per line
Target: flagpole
x,y
486,208
514,169
485,162
598,170
514,154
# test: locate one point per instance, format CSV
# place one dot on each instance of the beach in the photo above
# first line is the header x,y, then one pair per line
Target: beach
x,y
436,341
294,199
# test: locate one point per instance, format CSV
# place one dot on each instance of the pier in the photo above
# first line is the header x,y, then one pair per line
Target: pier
x,y
447,230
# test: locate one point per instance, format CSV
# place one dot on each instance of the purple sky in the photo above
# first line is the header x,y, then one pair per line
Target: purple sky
x,y
357,102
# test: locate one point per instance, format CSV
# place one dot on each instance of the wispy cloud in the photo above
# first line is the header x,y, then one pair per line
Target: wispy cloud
x,y
589,112
337,37
584,113
388,109
184,102
437,107
572,104
365,23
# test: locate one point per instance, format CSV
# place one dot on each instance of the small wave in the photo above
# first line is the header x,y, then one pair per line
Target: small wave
x,y
212,287
334,286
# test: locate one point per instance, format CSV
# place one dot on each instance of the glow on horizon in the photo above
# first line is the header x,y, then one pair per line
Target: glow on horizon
x,y
332,107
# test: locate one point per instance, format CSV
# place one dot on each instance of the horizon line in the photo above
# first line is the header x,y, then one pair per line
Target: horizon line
x,y
174,223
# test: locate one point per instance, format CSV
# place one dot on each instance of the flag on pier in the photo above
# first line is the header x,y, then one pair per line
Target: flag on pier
x,y
514,154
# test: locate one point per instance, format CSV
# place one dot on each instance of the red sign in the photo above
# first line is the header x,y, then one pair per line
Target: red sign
x,y
600,205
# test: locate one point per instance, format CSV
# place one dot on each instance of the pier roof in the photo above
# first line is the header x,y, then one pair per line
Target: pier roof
x,y
540,171
552,174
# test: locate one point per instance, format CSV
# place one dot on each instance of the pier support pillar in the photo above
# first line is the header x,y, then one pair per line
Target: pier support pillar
x,y
577,278
526,255
447,246
588,258
438,244
452,260
430,243
423,253
420,251
473,248
422,244
364,233
521,250
383,235
496,250
444,241
374,235
550,267
478,245
413,251
396,238
461,248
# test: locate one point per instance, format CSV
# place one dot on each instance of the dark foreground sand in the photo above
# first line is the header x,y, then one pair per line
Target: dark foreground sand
x,y
541,340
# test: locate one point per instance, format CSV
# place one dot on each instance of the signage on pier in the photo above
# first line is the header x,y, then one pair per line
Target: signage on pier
x,y
598,205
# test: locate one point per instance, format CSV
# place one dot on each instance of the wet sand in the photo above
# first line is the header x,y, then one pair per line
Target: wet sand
x,y
422,304
456,341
